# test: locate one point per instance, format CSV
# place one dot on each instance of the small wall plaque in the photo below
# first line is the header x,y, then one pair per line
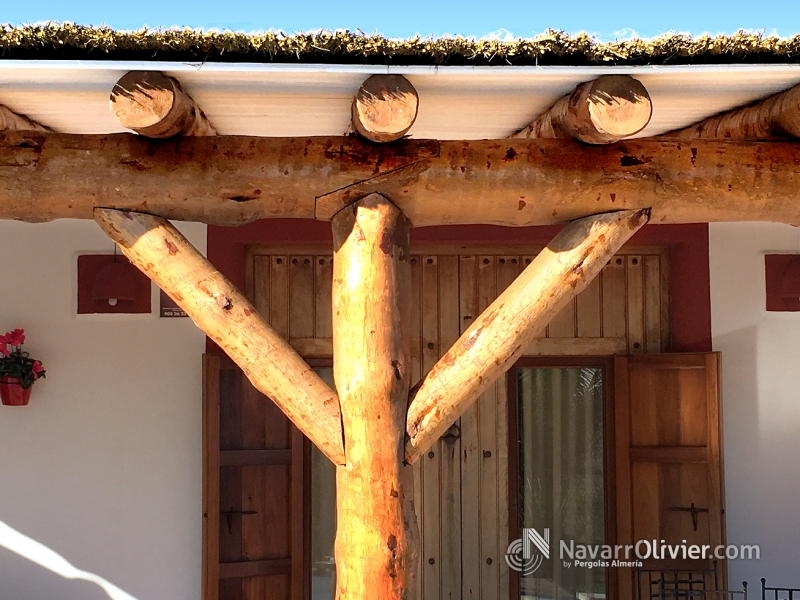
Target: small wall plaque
x,y
169,308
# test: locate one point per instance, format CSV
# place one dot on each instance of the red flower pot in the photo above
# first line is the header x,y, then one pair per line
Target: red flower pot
x,y
11,392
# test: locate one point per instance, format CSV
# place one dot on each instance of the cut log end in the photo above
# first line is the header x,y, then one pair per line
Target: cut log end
x,y
385,108
603,111
618,107
154,105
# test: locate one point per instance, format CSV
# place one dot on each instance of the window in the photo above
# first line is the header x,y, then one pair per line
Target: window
x,y
559,434
323,516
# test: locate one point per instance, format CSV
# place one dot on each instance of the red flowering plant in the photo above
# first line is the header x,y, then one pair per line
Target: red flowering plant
x,y
16,363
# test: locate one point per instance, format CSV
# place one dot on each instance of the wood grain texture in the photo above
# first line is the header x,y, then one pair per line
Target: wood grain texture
x,y
234,180
377,541
499,336
225,315
774,117
11,121
385,108
154,105
211,474
603,111
668,444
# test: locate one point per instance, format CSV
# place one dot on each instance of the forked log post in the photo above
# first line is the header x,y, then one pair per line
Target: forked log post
x,y
497,338
776,116
154,105
603,111
385,108
11,121
376,530
224,314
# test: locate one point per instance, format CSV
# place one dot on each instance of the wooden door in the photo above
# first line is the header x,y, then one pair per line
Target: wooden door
x,y
254,529
669,448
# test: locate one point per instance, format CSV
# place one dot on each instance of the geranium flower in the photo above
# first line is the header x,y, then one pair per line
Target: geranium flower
x,y
4,348
36,368
16,337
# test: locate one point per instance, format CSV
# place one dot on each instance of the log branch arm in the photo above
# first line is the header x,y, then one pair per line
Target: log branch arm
x,y
497,338
225,315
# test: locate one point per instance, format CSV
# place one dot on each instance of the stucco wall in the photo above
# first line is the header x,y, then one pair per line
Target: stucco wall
x,y
761,400
104,466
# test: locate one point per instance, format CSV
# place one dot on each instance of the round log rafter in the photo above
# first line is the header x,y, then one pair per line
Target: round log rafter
x,y
603,111
154,105
384,108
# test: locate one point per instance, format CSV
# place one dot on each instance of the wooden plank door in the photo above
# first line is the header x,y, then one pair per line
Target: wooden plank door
x,y
254,527
669,449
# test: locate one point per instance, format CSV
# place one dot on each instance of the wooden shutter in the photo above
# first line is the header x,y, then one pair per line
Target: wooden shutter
x,y
253,492
668,445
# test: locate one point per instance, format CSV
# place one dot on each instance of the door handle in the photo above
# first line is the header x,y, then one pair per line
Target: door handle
x,y
693,510
229,516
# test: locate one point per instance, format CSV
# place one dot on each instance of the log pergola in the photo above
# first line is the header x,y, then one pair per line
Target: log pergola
x,y
572,165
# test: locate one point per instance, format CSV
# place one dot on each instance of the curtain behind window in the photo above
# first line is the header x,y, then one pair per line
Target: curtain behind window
x,y
561,474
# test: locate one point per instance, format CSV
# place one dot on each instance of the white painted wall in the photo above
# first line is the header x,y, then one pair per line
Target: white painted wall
x,y
761,401
104,466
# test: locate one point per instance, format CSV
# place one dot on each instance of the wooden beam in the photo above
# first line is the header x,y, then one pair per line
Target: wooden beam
x,y
376,531
775,117
11,121
603,111
224,314
154,105
234,180
385,108
497,338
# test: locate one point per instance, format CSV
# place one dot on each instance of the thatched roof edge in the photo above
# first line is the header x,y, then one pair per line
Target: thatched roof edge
x,y
65,41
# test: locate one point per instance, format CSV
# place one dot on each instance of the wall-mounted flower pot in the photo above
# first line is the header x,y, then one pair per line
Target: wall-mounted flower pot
x,y
11,392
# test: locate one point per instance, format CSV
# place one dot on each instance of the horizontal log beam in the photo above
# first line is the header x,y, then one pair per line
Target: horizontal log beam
x,y
603,111
229,180
499,336
227,317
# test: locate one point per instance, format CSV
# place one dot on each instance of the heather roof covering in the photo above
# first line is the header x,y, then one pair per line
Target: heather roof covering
x,y
73,42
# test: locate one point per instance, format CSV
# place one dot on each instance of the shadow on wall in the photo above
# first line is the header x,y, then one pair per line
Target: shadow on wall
x,y
39,554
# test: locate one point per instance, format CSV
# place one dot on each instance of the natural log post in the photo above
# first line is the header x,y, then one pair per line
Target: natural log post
x,y
224,314
154,105
385,108
603,111
776,116
376,529
497,338
11,121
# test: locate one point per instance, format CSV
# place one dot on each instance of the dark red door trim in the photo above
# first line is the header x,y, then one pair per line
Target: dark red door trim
x,y
689,272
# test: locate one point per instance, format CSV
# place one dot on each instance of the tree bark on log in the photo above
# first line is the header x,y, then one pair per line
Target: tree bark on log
x,y
497,338
603,111
224,314
154,105
385,108
11,121
376,530
775,117
234,180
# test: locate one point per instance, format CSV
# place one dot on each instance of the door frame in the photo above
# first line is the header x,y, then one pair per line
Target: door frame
x,y
609,452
